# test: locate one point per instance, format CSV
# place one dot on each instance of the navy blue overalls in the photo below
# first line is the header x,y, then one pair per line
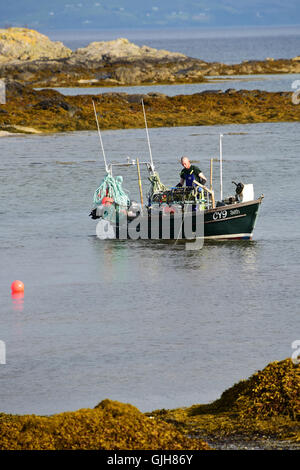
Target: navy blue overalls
x,y
189,178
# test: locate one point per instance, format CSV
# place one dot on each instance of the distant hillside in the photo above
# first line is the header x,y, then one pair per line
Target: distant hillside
x,y
98,14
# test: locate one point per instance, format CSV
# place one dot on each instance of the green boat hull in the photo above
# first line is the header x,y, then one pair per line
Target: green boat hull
x,y
235,221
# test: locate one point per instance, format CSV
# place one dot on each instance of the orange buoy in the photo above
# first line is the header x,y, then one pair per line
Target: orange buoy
x,y
17,287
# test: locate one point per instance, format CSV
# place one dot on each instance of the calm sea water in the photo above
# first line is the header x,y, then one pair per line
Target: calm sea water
x,y
140,322
239,82
228,45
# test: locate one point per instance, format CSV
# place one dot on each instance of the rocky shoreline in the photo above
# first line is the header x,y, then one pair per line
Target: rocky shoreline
x,y
34,60
71,73
36,111
260,413
238,442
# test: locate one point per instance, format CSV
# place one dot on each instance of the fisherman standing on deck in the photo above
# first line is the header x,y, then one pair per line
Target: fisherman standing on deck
x,y
190,173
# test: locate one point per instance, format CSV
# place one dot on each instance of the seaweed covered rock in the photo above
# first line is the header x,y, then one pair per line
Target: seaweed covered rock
x,y
261,412
111,425
55,105
272,392
49,111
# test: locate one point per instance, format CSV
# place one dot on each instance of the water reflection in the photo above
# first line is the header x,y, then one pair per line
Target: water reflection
x,y
18,301
152,260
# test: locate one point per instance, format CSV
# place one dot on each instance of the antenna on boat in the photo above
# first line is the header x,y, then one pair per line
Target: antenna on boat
x,y
100,138
150,151
221,168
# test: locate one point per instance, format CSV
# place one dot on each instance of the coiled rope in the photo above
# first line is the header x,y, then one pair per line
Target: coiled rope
x,y
156,184
112,187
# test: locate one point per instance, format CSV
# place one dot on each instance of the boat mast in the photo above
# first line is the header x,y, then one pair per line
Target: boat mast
x,y
140,182
211,172
150,151
100,138
221,168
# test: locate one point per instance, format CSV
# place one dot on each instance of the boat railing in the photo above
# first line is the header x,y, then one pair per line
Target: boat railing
x,y
209,195
127,164
185,196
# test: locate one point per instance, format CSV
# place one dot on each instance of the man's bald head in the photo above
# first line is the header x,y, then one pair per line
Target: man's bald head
x,y
185,162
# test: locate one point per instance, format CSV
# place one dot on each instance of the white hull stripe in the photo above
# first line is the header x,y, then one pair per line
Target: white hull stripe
x,y
228,236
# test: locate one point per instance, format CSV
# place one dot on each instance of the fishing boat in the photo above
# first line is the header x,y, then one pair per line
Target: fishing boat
x,y
172,213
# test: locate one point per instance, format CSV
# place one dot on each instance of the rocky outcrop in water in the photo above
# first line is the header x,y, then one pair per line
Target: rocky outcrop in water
x,y
255,67
121,50
22,44
32,58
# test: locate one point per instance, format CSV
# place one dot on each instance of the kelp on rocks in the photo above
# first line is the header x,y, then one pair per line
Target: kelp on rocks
x,y
49,111
266,404
111,425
